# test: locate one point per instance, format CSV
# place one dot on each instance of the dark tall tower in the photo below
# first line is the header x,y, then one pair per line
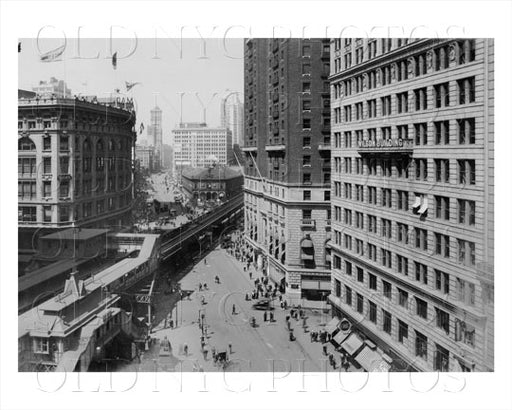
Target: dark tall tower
x,y
288,169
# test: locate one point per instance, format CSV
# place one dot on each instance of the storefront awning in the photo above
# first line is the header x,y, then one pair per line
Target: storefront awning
x,y
276,276
306,243
340,337
372,361
352,344
424,206
306,257
332,325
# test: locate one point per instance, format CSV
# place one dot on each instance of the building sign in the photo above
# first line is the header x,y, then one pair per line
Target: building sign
x,y
385,143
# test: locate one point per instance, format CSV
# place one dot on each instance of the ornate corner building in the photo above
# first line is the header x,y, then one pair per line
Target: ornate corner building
x,y
74,165
288,164
413,197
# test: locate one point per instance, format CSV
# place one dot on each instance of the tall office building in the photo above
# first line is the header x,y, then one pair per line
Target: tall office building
x,y
155,134
288,164
413,198
199,146
232,117
74,165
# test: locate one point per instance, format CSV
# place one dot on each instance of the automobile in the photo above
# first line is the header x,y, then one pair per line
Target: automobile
x,y
165,347
263,304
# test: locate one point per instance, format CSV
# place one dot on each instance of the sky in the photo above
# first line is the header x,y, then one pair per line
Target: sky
x,y
197,72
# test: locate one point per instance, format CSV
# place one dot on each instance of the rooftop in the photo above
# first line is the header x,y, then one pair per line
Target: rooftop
x,y
79,234
215,173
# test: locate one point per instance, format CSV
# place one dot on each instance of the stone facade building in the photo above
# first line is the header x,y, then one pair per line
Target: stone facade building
x,y
413,197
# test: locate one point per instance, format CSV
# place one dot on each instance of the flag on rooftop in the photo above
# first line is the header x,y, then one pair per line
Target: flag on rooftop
x,y
129,86
19,46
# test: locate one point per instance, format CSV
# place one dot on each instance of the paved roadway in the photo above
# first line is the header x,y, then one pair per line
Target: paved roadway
x,y
253,349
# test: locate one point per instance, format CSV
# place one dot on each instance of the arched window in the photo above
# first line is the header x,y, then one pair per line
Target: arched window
x,y
87,145
26,144
111,145
99,146
307,252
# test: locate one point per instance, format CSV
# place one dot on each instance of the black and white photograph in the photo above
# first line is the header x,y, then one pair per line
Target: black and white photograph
x,y
265,205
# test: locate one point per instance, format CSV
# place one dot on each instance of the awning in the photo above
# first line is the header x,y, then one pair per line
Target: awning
x,y
306,257
276,276
424,206
417,202
372,361
306,243
332,325
352,344
340,337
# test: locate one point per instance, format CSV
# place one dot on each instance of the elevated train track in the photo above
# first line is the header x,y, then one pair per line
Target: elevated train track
x,y
171,242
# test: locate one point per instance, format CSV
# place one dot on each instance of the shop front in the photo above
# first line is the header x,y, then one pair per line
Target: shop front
x,y
315,287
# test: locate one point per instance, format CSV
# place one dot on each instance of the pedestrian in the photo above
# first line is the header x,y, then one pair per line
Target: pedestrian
x,y
271,316
200,287
250,274
185,349
205,261
230,348
265,316
171,323
324,348
233,310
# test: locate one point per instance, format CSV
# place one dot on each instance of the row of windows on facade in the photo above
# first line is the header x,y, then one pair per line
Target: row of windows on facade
x,y
457,289
386,43
439,133
27,190
463,332
29,213
407,101
101,123
464,213
465,172
305,104
305,51
460,52
26,144
28,167
419,240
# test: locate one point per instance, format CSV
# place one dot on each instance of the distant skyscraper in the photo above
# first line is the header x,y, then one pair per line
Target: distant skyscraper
x,y
232,116
155,132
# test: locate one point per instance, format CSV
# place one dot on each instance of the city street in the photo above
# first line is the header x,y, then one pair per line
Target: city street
x,y
265,347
